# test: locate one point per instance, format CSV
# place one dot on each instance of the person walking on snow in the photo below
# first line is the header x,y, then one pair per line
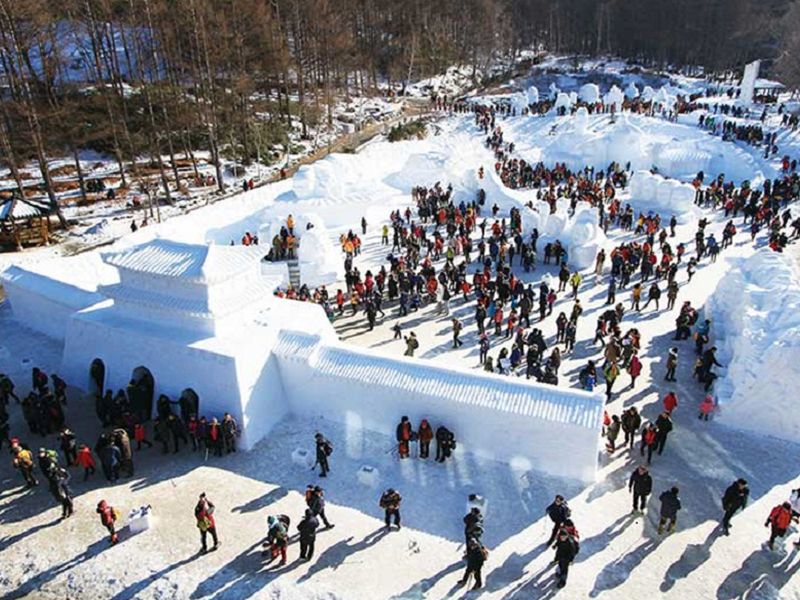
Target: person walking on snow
x,y
779,518
390,503
640,484
631,421
476,556
670,505
735,498
565,553
323,450
457,326
664,425
315,500
558,512
411,344
204,514
473,524
670,402
649,440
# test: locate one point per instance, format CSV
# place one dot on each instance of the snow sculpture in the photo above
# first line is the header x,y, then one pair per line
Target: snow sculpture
x,y
319,260
554,91
581,121
319,180
631,91
648,93
589,93
755,315
563,101
615,97
533,95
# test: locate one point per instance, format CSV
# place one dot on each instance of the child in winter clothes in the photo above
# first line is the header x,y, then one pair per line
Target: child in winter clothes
x,y
140,437
707,407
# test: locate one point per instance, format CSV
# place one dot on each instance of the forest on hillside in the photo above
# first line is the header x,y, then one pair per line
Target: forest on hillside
x,y
133,78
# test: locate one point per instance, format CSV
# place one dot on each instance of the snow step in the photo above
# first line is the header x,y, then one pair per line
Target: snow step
x,y
294,272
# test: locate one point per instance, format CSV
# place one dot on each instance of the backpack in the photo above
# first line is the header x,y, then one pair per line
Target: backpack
x,y
327,448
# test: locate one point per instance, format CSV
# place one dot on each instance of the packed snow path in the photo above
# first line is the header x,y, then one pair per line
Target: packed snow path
x,y
621,556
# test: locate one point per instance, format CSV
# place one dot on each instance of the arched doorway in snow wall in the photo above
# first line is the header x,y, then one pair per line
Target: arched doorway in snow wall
x,y
97,378
140,393
189,403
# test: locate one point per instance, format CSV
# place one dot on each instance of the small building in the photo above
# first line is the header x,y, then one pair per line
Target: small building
x,y
766,91
24,222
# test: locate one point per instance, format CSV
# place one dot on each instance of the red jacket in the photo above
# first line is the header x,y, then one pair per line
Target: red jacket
x,y
670,402
84,458
780,517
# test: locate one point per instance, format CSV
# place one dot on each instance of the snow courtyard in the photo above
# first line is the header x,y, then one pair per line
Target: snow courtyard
x,y
749,292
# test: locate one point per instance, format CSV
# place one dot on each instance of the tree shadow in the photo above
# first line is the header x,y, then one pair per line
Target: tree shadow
x,y
333,556
418,590
692,558
135,589
759,576
618,571
36,582
262,502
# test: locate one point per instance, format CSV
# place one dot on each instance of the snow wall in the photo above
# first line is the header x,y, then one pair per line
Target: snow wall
x,y
755,316
554,430
45,305
668,197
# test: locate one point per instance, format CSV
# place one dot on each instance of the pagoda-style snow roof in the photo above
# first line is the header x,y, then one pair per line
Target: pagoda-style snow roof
x,y
193,263
23,208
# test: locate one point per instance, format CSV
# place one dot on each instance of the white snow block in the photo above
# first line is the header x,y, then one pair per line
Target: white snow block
x,y
474,500
368,476
139,519
301,457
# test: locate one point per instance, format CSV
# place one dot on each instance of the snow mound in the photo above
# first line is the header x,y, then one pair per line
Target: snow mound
x,y
563,101
99,231
318,181
320,262
653,193
755,313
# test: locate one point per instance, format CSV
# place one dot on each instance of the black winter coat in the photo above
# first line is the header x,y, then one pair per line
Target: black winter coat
x,y
641,483
670,504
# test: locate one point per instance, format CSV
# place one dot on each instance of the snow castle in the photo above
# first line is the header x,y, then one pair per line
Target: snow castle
x,y
199,319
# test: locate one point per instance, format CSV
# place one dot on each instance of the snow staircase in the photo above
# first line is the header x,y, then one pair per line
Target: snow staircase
x,y
294,272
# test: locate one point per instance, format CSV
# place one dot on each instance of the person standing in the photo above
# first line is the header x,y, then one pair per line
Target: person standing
x,y
229,432
69,445
404,435
558,512
457,326
611,372
308,534
411,344
476,556
779,518
649,440
23,460
670,505
631,421
324,450
672,364
445,443
315,500
565,554
85,460
204,513
634,368
390,503
664,425
735,498
424,437
108,516
640,484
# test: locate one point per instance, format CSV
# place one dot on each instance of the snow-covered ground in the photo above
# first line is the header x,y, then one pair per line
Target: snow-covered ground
x,y
622,555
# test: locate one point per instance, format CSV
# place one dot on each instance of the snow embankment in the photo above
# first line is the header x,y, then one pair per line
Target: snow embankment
x,y
755,313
